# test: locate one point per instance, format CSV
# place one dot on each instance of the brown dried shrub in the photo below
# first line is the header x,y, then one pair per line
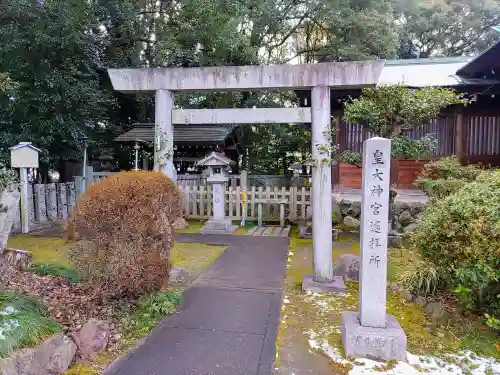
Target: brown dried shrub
x,y
123,228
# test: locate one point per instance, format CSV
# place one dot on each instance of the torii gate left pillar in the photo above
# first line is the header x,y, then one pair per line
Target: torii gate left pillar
x,y
164,133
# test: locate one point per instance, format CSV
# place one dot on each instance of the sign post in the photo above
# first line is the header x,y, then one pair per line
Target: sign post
x,y
24,156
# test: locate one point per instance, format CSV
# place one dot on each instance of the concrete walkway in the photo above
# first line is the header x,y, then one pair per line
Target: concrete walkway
x,y
228,321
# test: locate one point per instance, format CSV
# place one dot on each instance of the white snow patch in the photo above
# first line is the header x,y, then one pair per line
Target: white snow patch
x,y
8,310
7,326
465,363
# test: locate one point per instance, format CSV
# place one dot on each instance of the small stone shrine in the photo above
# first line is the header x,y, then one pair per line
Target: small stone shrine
x,y
217,165
371,332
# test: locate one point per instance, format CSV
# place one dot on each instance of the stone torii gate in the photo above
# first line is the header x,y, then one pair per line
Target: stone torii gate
x,y
319,78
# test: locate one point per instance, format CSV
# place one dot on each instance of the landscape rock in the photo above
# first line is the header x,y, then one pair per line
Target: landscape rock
x,y
396,288
410,227
344,206
180,223
405,218
92,338
417,208
436,311
355,210
407,296
399,207
177,275
421,301
349,267
352,223
397,225
53,357
18,258
9,205
336,212
395,240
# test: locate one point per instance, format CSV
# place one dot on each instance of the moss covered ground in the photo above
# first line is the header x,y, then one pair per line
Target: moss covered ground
x,y
309,333
44,250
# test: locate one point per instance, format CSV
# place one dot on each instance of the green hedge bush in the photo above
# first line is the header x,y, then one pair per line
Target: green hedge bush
x,y
445,176
460,235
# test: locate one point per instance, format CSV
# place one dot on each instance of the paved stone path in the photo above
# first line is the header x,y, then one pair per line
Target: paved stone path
x,y
228,321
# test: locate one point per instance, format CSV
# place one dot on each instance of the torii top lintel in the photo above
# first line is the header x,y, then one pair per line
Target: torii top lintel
x,y
356,74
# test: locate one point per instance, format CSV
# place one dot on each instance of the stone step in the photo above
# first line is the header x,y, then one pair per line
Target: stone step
x,y
285,232
252,231
259,231
268,231
277,232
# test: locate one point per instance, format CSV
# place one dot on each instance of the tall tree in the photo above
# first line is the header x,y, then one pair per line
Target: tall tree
x,y
48,50
343,30
446,27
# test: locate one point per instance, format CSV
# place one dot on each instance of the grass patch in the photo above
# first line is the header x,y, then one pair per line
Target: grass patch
x,y
194,226
195,256
150,310
244,230
23,323
56,270
81,370
44,250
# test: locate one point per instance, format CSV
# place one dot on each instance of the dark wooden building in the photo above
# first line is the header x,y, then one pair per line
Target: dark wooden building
x,y
191,142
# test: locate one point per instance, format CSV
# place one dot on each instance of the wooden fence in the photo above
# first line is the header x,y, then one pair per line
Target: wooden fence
x,y
47,203
197,202
480,135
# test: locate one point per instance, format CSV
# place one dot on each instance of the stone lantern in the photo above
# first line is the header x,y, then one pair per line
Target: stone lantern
x,y
217,165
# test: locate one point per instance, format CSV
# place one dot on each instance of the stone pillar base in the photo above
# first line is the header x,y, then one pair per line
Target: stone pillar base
x,y
221,226
335,286
387,343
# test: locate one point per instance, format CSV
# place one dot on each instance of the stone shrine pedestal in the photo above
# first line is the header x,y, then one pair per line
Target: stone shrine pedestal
x,y
218,224
387,343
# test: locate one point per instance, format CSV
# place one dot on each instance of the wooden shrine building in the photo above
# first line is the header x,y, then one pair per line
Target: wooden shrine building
x,y
191,143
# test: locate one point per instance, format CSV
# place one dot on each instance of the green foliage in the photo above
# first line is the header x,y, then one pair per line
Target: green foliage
x,y
150,310
55,270
7,85
54,60
346,30
23,322
352,158
404,147
450,167
438,189
424,279
395,109
445,28
447,175
8,177
460,235
492,322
